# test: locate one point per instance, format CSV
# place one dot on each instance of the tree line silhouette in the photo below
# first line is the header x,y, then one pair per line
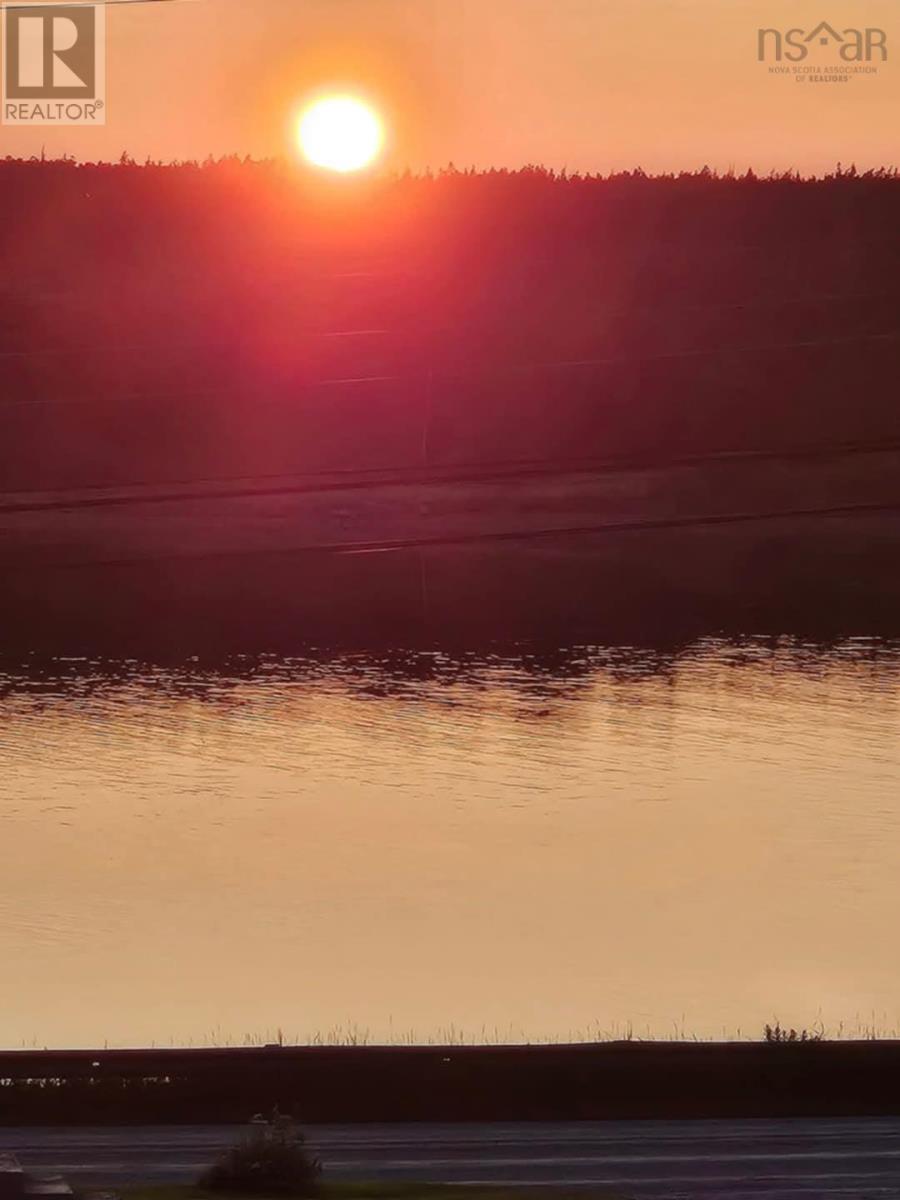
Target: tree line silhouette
x,y
237,317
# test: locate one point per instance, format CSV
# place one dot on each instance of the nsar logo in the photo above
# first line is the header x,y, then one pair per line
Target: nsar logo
x,y
852,45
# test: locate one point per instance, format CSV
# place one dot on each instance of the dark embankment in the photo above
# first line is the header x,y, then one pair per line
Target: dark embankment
x,y
819,580
615,1080
237,320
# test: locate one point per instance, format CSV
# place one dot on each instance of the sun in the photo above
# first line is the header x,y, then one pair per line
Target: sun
x,y
340,133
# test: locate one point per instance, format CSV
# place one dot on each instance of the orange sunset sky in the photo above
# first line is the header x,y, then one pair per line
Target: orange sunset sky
x,y
591,85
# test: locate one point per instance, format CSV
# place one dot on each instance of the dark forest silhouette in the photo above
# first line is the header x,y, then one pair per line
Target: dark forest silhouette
x,y
242,318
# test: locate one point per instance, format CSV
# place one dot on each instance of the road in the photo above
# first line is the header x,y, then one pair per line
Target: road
x,y
663,1160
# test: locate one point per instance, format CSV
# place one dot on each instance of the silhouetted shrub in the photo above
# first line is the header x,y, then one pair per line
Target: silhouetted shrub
x,y
270,1161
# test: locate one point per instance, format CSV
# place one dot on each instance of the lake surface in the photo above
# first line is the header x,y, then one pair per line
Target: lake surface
x,y
541,842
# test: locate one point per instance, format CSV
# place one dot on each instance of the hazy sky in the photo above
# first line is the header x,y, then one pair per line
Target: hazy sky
x,y
587,84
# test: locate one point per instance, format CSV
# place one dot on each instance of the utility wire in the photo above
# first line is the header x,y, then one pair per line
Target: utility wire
x,y
431,330
91,4
248,487
489,372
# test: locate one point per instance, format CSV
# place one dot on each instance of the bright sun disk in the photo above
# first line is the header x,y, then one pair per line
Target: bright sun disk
x,y
340,133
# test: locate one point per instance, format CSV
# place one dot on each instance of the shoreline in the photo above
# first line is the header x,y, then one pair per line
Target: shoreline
x,y
608,1081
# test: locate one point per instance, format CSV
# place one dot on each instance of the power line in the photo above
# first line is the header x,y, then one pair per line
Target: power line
x,y
206,344
92,3
437,541
432,330
241,487
430,375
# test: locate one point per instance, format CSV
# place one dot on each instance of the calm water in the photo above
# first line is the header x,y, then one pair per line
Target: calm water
x,y
419,844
